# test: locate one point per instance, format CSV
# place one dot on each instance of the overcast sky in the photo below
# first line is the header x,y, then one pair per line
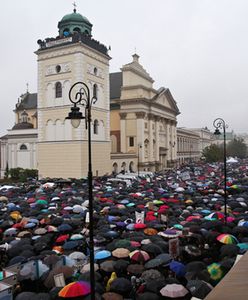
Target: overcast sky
x,y
196,48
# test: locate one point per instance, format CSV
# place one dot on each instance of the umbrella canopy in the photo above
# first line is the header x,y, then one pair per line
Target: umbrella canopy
x,y
139,256
227,239
199,288
121,285
174,291
103,254
178,268
121,252
215,271
75,289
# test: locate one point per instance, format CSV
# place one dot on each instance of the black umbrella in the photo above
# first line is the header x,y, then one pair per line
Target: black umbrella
x,y
199,288
121,285
229,250
148,296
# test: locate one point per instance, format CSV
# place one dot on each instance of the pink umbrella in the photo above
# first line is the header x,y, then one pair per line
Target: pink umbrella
x,y
174,291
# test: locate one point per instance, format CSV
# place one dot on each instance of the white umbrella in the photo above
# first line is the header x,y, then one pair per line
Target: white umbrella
x,y
174,291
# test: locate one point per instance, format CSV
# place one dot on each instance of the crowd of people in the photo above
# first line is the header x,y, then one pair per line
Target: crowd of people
x,y
170,235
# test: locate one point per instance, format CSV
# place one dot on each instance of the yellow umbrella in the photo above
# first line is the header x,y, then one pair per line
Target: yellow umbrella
x,y
15,215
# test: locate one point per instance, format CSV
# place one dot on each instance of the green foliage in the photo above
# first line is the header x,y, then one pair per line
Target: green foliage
x,y
22,174
213,153
237,148
6,173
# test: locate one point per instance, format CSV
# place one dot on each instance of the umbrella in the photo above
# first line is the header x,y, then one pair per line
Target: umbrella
x,y
107,266
112,296
165,258
121,252
178,268
103,254
215,271
86,268
199,288
153,263
192,250
67,271
151,275
75,289
121,285
227,239
77,256
135,269
139,256
25,296
174,291
243,246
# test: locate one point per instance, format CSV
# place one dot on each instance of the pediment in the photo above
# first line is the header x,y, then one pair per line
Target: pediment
x,y
165,99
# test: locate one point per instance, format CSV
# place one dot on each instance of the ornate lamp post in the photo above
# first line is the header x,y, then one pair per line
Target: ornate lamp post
x,y
219,123
139,147
172,144
80,94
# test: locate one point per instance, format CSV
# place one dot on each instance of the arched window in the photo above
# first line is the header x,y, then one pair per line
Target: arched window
x,y
131,165
86,32
58,90
23,147
24,117
115,168
95,91
123,167
95,129
95,71
77,29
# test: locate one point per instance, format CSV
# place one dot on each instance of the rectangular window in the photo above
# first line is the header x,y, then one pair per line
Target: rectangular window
x,y
131,141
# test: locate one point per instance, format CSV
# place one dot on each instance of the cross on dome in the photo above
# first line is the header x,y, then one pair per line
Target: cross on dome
x,y
75,5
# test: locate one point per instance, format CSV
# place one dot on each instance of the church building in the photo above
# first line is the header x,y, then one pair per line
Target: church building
x,y
134,125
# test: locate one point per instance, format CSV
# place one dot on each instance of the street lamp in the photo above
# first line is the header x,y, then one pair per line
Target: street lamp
x,y
172,144
139,147
80,94
221,124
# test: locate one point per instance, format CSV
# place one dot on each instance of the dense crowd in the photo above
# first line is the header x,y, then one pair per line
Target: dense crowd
x,y
164,236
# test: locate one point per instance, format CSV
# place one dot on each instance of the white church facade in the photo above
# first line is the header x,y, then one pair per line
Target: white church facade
x,y
134,125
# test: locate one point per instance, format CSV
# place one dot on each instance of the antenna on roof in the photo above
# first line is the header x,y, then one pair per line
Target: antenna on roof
x,y
75,5
27,86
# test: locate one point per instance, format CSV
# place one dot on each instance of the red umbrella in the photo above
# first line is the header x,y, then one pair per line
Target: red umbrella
x,y
75,289
62,238
139,256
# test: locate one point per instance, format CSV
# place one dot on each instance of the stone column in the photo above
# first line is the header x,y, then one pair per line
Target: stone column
x,y
168,140
150,126
140,134
123,132
157,145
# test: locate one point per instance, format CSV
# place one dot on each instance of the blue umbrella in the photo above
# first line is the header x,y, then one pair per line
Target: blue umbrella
x,y
178,268
70,245
102,254
64,227
30,225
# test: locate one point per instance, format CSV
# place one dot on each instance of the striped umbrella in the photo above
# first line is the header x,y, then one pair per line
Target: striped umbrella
x,y
139,256
225,238
75,289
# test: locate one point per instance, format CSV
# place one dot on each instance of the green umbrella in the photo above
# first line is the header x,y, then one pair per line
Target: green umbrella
x,y
215,271
41,201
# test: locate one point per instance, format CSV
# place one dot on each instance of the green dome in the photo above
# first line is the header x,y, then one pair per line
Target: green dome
x,y
74,17
74,22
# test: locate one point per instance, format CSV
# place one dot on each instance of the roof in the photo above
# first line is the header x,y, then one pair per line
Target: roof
x,y
115,82
28,101
23,125
74,17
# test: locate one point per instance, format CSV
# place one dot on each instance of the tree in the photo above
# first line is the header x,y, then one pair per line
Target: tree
x,y
213,153
6,173
237,148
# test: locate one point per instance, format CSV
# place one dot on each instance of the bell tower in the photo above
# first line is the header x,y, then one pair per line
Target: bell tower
x,y
62,61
